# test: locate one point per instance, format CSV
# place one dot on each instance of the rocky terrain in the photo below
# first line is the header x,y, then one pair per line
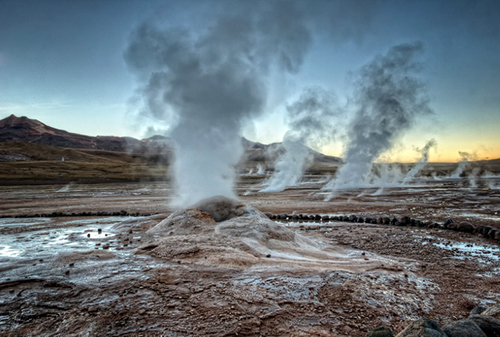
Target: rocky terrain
x,y
114,259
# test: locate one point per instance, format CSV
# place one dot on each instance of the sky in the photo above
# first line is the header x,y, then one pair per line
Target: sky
x,y
62,62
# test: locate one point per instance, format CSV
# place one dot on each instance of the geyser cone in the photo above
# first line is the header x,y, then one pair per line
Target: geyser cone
x,y
222,231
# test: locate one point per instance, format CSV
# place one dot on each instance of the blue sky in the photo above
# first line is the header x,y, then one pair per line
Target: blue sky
x,y
62,62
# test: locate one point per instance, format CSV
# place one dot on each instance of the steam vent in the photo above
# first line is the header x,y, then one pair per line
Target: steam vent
x,y
223,232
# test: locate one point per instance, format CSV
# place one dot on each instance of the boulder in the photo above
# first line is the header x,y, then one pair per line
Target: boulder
x,y
422,328
492,233
381,331
490,325
448,222
463,328
465,227
485,230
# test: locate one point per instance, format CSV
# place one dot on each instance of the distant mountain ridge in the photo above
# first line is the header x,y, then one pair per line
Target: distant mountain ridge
x,y
24,129
27,130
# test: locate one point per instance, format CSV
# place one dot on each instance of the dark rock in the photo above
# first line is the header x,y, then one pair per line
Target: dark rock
x,y
465,227
463,328
361,219
295,217
269,215
490,325
305,217
345,218
497,236
325,218
492,233
393,221
486,230
422,328
317,217
479,229
406,220
448,222
283,216
477,310
399,223
381,331
368,220
353,218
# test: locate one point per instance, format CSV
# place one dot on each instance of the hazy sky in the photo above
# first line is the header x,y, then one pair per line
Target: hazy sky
x,y
62,62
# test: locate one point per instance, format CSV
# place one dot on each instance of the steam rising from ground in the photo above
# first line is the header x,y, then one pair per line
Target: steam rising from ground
x,y
310,119
420,164
462,164
205,86
388,98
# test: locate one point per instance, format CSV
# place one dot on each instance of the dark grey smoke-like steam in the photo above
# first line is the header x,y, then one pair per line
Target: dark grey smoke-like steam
x,y
388,98
205,85
310,118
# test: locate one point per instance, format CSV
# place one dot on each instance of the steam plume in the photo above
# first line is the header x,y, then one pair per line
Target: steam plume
x,y
310,119
205,86
260,169
420,164
462,164
388,98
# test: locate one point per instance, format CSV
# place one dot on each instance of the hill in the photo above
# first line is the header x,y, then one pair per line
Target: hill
x,y
25,130
33,152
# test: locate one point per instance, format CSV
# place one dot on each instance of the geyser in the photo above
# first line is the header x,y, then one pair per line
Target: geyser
x,y
422,161
462,164
310,119
205,84
388,98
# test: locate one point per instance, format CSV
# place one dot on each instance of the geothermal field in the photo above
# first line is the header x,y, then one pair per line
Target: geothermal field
x,y
113,259
250,168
